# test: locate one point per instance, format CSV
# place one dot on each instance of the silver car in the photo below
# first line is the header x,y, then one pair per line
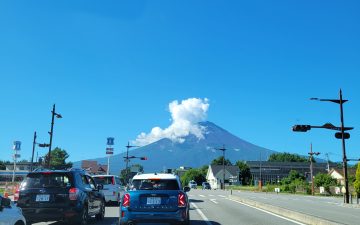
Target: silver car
x,y
113,188
9,213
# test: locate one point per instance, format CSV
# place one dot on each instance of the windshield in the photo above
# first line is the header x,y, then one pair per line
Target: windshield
x,y
41,180
103,180
148,184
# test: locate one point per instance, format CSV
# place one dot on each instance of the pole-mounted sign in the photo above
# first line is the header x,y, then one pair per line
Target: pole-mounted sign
x,y
17,145
110,141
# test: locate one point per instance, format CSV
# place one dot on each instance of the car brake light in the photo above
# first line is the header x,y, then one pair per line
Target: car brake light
x,y
181,200
126,201
16,195
73,192
113,181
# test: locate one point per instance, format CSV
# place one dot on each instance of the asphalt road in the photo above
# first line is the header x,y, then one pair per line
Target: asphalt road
x,y
329,208
210,207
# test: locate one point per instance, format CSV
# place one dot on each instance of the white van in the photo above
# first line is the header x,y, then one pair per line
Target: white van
x,y
113,188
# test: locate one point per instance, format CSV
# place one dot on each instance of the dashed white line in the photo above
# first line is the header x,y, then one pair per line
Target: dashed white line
x,y
222,196
214,201
202,196
205,219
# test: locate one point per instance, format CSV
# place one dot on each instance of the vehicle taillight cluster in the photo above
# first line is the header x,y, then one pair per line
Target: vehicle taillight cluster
x,y
181,200
73,193
126,201
113,181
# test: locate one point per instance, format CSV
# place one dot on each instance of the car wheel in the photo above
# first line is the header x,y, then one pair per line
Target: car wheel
x,y
101,213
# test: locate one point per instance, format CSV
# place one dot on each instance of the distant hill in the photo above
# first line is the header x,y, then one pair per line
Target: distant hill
x,y
165,154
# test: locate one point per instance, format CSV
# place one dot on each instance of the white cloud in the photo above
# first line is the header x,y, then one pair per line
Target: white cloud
x,y
185,117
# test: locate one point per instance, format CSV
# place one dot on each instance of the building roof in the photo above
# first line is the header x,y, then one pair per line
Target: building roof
x,y
233,170
350,171
92,167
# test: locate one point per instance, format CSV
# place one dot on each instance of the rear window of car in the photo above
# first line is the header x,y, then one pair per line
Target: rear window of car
x,y
155,184
43,180
103,180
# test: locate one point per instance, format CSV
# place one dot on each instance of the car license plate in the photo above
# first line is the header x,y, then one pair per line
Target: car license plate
x,y
153,201
42,198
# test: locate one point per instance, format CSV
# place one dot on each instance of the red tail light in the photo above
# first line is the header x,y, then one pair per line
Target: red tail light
x,y
16,195
73,193
181,200
126,201
113,181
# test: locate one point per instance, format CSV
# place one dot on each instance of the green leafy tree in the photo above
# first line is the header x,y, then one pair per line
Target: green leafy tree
x,y
219,161
245,174
193,174
58,159
293,181
357,180
2,165
324,180
287,157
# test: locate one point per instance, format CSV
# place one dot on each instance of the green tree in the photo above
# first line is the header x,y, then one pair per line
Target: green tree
x,y
58,159
287,157
245,174
293,181
193,174
324,180
219,161
357,180
2,165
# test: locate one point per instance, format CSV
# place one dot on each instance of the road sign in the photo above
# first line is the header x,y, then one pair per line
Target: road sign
x,y
17,155
17,145
110,141
109,149
109,153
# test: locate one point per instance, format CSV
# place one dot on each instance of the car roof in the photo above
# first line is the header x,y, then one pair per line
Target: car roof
x,y
165,176
104,176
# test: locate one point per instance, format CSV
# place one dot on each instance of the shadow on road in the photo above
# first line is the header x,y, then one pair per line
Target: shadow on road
x,y
195,200
201,222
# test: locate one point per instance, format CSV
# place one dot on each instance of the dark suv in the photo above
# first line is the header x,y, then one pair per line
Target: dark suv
x,y
52,195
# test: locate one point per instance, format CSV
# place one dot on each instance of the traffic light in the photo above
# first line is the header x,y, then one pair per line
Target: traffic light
x,y
338,135
301,128
143,158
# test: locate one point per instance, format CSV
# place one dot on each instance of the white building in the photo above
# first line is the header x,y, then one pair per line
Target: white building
x,y
215,175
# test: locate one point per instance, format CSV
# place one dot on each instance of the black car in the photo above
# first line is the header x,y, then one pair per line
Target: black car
x,y
206,185
67,195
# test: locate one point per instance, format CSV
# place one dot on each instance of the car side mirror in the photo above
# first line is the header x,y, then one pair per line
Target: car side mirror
x,y
186,189
100,187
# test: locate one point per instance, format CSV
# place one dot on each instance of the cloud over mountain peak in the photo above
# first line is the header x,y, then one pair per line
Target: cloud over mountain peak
x,y
185,118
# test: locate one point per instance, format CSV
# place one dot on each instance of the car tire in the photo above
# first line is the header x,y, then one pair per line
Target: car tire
x,y
84,216
101,214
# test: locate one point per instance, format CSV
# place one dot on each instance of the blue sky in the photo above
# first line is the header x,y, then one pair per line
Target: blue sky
x,y
113,67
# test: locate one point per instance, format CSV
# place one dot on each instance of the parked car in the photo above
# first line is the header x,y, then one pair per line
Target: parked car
x,y
193,184
113,189
155,198
53,195
9,213
206,185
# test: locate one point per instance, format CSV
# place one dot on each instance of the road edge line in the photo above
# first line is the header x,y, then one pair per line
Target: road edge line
x,y
301,217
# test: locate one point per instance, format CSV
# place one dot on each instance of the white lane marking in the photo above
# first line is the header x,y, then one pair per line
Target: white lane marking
x,y
191,195
202,196
212,195
214,201
201,214
222,196
293,221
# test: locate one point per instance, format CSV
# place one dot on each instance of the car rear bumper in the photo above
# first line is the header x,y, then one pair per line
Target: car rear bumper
x,y
127,216
50,214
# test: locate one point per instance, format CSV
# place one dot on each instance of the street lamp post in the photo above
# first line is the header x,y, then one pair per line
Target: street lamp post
x,y
223,149
340,135
53,113
311,153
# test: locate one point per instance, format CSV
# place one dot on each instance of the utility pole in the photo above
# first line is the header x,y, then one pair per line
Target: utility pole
x,y
223,149
128,146
33,150
311,153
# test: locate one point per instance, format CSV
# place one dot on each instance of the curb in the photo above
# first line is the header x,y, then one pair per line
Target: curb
x,y
301,217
